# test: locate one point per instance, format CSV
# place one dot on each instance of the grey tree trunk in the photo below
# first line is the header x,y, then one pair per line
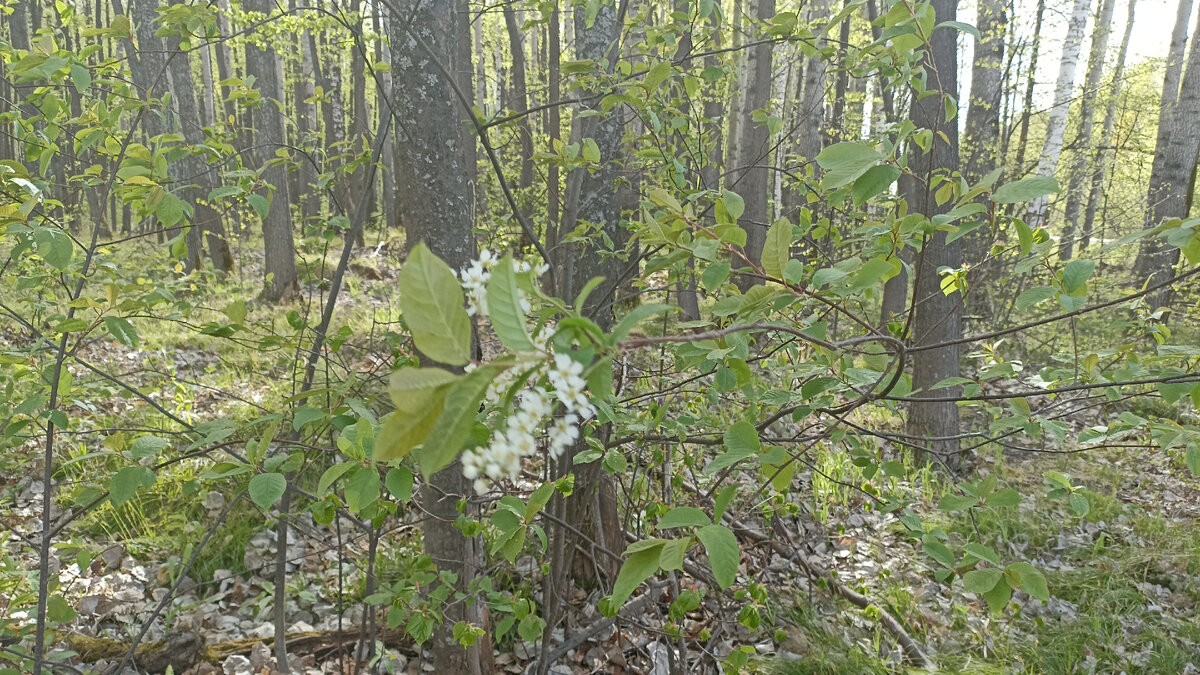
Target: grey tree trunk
x,y
280,281
1083,137
1104,152
431,161
981,141
388,159
303,90
520,99
1056,125
196,177
1030,81
1173,172
750,150
937,317
593,198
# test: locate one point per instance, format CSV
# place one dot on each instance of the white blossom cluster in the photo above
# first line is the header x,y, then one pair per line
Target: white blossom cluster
x,y
552,405
475,277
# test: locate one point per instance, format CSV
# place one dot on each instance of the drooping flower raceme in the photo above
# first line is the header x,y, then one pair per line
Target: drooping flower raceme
x,y
551,405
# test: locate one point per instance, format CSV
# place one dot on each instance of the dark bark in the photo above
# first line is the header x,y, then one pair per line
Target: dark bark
x,y
432,161
937,317
281,281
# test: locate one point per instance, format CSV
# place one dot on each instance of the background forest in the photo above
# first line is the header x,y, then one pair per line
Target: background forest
x,y
553,336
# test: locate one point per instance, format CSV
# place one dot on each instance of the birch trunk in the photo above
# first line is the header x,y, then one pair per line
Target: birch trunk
x,y
1056,125
1083,138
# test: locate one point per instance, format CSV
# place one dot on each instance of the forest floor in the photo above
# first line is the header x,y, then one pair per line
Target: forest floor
x,y
1125,578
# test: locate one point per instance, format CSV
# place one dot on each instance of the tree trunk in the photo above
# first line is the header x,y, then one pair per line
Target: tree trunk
x,y
1171,177
196,176
1030,81
750,150
1056,125
388,159
431,161
306,129
592,198
982,135
520,99
937,316
1083,138
281,281
1104,151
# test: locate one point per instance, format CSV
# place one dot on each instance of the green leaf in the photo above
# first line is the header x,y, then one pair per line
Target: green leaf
x,y
1002,498
122,330
672,552
410,388
1034,296
331,475
1075,275
871,272
983,553
1025,189
236,311
362,488
170,210
147,446
683,516
657,74
735,206
1079,504
402,431
999,596
127,481
778,249
1192,458
723,552
431,301
450,433
81,77
591,151
59,610
54,246
260,205
956,503
399,482
635,316
266,488
873,182
1030,579
638,567
741,441
982,581
1024,236
845,162
504,307
306,415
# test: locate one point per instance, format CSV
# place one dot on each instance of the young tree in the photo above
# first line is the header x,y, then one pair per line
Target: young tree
x,y
1056,125
431,161
281,279
937,316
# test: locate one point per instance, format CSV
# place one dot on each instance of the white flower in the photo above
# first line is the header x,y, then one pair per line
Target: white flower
x,y
482,487
564,369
